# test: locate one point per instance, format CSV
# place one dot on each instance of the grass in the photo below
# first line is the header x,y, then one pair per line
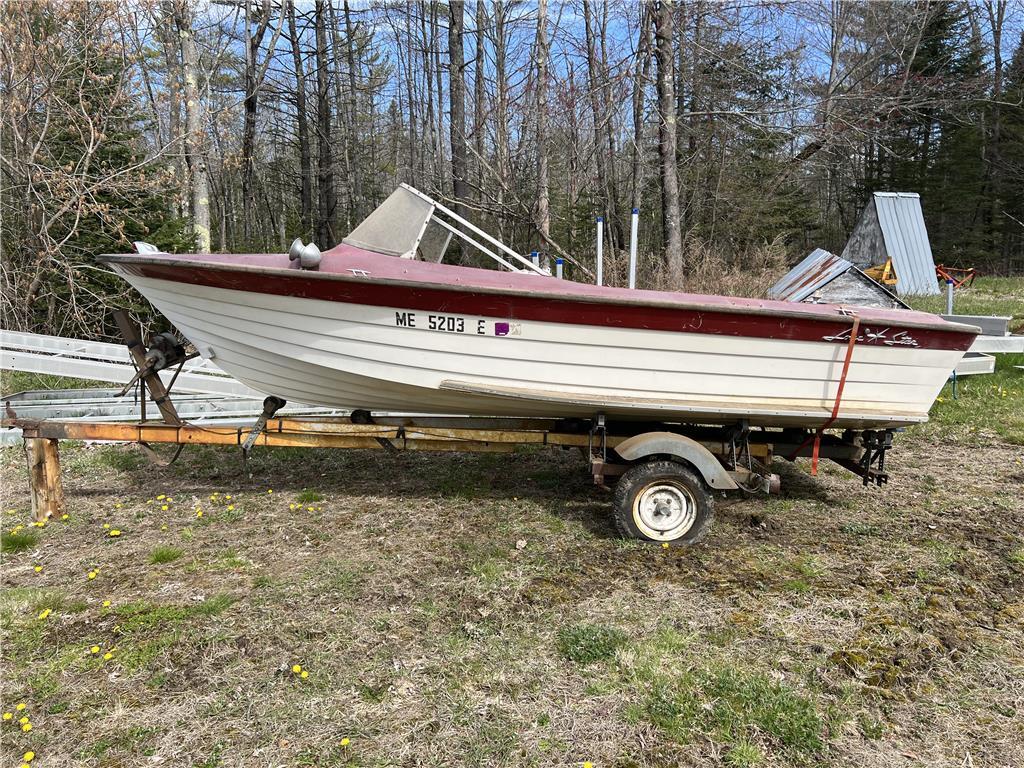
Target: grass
x,y
18,542
689,693
588,643
165,554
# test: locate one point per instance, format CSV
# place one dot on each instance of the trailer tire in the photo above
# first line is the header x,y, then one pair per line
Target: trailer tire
x,y
663,501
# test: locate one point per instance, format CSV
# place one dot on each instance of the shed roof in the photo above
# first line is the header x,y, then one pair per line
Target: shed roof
x,y
897,218
818,269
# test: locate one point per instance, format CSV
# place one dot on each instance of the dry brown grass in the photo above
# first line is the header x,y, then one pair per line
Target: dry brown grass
x,y
832,625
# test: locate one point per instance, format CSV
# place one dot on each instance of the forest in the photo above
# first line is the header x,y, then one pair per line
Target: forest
x,y
746,132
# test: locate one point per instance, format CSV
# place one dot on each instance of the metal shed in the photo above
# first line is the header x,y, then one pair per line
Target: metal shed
x,y
892,227
824,277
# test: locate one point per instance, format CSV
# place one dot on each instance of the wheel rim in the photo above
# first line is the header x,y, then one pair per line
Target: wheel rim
x,y
664,511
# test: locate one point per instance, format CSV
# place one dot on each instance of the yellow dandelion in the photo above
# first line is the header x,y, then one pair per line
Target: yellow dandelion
x,y
21,706
588,764
118,505
94,649
106,525
108,656
29,756
115,532
91,575
296,668
664,545
213,497
39,524
346,741
8,715
17,528
106,603
45,614
231,507
161,497
38,569
309,509
291,506
23,720
199,513
304,674
228,497
163,527
164,508
26,727
170,498
270,490
65,516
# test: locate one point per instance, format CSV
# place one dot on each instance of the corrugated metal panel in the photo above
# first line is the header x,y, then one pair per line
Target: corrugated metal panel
x,y
818,269
906,241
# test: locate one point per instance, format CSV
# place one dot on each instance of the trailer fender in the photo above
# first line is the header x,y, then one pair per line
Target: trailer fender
x,y
681,447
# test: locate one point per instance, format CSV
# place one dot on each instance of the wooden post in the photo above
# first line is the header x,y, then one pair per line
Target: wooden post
x,y
44,478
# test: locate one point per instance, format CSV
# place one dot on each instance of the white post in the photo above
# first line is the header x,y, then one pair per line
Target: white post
x,y
634,225
949,297
535,258
559,262
600,250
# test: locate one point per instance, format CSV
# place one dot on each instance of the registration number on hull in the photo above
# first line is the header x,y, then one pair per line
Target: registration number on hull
x,y
455,324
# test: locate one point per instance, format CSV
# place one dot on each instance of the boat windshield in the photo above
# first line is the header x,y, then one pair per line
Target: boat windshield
x,y
411,225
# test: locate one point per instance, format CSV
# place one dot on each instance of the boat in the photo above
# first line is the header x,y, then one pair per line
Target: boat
x,y
381,323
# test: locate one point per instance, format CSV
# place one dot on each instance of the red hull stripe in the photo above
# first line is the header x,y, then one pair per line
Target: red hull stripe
x,y
464,301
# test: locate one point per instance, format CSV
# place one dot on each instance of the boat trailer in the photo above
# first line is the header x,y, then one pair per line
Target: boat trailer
x,y
664,475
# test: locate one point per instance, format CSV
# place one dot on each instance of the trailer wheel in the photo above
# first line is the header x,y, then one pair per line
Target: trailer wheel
x,y
663,501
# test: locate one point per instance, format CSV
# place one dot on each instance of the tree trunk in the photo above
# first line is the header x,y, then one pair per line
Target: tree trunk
x,y
595,89
457,105
326,196
353,117
667,139
543,219
501,140
305,155
478,96
195,119
251,104
640,77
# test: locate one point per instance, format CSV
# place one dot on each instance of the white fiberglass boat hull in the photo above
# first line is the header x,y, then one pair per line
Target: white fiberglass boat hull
x,y
392,358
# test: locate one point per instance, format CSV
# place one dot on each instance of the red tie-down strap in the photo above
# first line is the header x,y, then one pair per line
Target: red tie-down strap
x,y
839,395
839,398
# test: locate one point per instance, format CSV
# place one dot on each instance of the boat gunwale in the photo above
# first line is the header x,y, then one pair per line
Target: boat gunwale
x,y
840,317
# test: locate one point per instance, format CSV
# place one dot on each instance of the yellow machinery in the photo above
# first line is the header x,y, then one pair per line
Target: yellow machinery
x,y
882,273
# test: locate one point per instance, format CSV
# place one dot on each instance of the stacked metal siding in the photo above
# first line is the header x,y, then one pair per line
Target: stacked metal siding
x,y
906,241
818,269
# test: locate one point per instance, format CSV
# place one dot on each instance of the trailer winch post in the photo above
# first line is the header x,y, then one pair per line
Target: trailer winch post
x,y
156,387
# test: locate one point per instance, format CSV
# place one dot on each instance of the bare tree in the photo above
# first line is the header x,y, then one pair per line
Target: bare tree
x,y
195,126
670,215
326,193
457,104
541,55
302,127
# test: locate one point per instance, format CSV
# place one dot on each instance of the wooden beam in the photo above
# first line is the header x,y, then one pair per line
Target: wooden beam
x,y
45,481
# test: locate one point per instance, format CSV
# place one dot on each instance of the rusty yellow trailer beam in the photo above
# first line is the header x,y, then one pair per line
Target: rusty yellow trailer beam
x,y
396,433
